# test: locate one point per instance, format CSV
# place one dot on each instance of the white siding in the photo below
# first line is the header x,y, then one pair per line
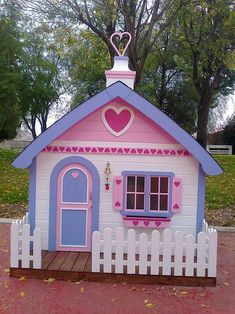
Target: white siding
x,y
183,167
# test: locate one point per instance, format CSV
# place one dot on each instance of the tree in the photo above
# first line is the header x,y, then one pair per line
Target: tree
x,y
10,48
207,55
228,133
41,85
143,19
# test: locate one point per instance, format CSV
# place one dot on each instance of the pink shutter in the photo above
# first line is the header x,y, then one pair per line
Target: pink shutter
x,y
117,192
177,195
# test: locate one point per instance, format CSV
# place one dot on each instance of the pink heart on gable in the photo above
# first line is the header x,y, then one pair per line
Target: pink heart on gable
x,y
117,120
74,175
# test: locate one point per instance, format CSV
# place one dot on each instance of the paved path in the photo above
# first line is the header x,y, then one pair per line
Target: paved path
x,y
32,296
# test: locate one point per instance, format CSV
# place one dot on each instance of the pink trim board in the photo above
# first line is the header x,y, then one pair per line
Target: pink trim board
x,y
116,150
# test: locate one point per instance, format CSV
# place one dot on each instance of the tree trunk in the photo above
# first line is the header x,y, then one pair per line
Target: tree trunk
x,y
203,114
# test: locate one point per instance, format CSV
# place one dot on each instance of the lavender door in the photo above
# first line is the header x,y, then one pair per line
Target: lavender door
x,y
73,219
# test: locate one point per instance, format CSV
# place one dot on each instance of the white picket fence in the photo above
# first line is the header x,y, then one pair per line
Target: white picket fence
x,y
162,255
24,247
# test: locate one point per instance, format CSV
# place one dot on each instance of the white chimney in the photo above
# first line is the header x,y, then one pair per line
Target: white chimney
x,y
120,72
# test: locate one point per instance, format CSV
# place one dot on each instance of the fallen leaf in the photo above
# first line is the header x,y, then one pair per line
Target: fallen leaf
x,y
144,289
150,305
82,290
203,305
226,283
22,278
22,294
49,280
7,270
146,301
114,299
183,292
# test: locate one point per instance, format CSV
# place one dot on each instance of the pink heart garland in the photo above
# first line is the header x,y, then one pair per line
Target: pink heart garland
x,y
120,35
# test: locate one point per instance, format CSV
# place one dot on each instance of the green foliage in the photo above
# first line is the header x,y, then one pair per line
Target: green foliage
x,y
9,79
90,59
14,182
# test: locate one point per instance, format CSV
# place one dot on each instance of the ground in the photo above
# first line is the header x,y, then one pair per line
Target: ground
x,y
38,296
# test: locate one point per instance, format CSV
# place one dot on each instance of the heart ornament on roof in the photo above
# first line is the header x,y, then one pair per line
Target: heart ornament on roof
x,y
117,120
120,35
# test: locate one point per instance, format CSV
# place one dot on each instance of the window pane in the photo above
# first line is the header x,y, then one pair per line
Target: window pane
x,y
130,184
140,201
153,202
164,185
130,201
154,184
140,184
163,202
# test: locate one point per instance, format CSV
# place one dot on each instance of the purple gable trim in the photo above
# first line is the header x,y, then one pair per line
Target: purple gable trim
x,y
32,194
118,89
200,198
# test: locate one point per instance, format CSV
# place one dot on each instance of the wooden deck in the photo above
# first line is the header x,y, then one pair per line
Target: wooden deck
x,y
76,266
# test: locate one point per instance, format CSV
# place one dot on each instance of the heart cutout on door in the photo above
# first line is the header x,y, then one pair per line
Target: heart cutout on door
x,y
117,120
74,175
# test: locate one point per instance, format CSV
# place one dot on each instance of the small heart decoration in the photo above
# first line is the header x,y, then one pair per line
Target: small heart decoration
x,y
81,150
94,150
55,149
157,223
146,223
139,150
68,149
135,222
74,149
176,206
177,183
153,151
62,148
120,35
100,149
74,175
117,204
118,182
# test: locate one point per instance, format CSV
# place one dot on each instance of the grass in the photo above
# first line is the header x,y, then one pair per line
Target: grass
x,y
220,190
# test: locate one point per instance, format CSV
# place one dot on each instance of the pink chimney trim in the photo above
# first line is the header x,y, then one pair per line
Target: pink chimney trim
x,y
120,74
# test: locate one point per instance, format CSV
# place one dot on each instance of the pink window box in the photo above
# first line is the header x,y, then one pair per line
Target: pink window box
x,y
147,222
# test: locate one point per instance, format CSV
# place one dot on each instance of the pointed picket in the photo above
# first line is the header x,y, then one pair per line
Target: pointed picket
x,y
25,246
143,246
166,252
189,255
212,253
155,249
201,254
95,252
131,251
178,260
119,251
14,259
107,250
37,250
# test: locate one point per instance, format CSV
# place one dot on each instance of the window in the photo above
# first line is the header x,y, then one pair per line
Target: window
x,y
147,194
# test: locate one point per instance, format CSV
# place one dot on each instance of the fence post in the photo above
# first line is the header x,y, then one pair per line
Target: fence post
x,y
14,260
37,249
25,246
212,253
131,251
119,250
166,269
95,257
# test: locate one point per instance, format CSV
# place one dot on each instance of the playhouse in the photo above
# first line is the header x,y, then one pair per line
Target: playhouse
x,y
115,161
